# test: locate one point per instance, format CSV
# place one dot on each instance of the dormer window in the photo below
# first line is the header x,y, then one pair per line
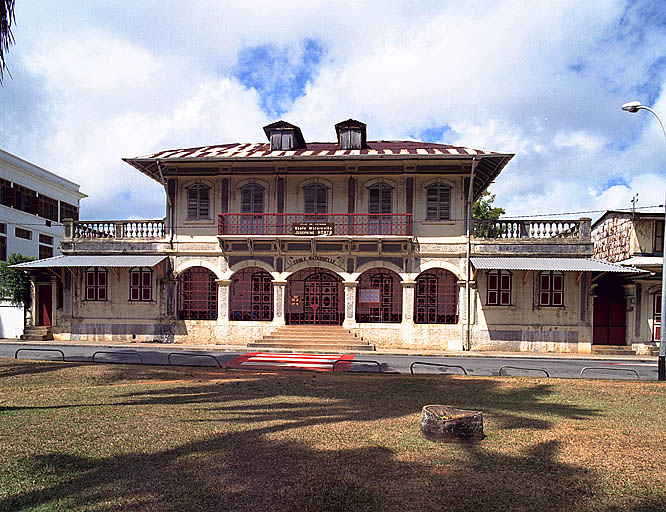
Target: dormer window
x,y
284,136
351,134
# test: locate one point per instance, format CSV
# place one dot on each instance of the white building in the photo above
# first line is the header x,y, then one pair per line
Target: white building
x,y
33,204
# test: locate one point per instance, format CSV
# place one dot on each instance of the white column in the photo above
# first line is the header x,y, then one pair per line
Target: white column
x,y
350,304
33,301
408,302
279,288
223,301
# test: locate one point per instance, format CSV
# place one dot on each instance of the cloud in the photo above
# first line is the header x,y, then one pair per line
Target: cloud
x,y
98,81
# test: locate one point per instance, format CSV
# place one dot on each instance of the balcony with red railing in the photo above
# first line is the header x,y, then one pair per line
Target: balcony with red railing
x,y
315,224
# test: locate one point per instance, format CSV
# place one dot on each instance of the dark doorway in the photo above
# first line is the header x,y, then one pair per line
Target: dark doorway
x,y
315,297
45,304
609,312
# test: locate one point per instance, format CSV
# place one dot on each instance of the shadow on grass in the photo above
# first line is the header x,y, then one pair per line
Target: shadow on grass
x,y
259,467
248,471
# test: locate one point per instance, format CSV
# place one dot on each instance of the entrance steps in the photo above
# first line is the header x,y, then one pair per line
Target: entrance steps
x,y
37,333
615,350
329,338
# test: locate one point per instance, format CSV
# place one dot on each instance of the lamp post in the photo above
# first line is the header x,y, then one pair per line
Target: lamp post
x,y
633,107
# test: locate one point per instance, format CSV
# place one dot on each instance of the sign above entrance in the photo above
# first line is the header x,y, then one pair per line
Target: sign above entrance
x,y
313,229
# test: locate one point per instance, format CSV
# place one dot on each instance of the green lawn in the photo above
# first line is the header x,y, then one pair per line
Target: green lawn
x,y
83,437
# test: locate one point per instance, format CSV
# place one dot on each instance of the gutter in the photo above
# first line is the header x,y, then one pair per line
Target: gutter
x,y
470,196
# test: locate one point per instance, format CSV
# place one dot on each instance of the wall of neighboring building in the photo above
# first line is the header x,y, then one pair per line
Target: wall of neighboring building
x,y
614,238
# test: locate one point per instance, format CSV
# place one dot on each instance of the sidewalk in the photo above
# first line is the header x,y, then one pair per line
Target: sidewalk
x,y
385,352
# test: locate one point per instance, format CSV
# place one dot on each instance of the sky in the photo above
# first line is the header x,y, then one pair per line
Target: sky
x,y
94,81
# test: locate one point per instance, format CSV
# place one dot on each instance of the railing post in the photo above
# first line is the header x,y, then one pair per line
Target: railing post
x,y
68,229
585,231
118,229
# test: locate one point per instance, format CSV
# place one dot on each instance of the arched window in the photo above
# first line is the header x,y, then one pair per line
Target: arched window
x,y
251,295
379,297
498,288
380,203
438,202
436,297
252,202
198,202
141,284
197,297
316,201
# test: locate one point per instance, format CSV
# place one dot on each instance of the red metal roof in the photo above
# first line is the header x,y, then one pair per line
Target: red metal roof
x,y
314,150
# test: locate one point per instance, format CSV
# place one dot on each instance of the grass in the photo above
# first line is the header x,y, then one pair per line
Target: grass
x,y
94,437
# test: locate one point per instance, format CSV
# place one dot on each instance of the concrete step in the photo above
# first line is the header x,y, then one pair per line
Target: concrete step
x,y
616,350
284,336
328,347
37,333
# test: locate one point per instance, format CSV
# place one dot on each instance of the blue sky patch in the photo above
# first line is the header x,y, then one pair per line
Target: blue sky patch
x,y
279,74
615,181
434,134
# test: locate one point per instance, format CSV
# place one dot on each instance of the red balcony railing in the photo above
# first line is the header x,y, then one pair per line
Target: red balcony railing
x,y
315,224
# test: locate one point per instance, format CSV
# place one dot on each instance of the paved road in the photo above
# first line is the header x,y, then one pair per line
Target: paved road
x,y
568,367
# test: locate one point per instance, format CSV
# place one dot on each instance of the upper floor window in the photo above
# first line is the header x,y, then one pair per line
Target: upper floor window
x,y
316,198
380,200
25,199
438,202
48,208
252,198
68,211
551,288
498,292
6,193
96,284
23,233
141,284
198,202
658,248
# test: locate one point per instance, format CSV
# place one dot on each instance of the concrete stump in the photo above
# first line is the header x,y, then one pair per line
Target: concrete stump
x,y
445,424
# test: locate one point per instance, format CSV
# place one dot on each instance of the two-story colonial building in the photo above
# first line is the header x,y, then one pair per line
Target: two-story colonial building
x,y
374,237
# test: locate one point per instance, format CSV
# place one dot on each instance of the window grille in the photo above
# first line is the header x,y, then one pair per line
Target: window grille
x,y
315,296
197,298
198,202
498,292
551,288
45,251
68,211
96,284
251,295
379,297
48,208
436,297
438,202
252,201
380,200
141,284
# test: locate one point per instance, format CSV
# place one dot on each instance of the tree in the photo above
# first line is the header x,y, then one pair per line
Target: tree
x,y
6,36
483,208
14,283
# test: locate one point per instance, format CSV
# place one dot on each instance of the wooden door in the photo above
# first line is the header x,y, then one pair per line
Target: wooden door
x,y
45,304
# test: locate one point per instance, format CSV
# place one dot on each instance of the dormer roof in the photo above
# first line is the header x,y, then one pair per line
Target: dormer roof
x,y
299,141
351,125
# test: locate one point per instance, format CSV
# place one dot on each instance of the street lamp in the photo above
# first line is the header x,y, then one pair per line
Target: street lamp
x,y
633,107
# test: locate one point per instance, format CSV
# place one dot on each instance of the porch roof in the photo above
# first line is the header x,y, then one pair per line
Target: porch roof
x,y
120,260
559,264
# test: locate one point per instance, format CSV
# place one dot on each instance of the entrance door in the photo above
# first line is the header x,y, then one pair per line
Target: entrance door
x,y
609,313
45,304
315,298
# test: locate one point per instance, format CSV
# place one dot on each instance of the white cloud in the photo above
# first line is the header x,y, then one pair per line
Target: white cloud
x,y
543,80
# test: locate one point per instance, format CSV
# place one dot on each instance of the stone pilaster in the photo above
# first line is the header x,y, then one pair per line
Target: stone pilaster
x,y
33,302
54,301
279,289
630,306
408,302
223,301
350,303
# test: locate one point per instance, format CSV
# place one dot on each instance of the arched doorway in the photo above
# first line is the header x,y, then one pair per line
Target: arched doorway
x,y
436,299
251,295
197,294
379,297
609,312
315,296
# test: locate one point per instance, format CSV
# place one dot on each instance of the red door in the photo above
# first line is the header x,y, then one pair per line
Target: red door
x,y
315,298
45,304
609,313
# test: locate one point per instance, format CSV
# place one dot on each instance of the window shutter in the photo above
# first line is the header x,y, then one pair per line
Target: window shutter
x,y
192,202
246,199
444,202
373,200
203,202
432,203
257,199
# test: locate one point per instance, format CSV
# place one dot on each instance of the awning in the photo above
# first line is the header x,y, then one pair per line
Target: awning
x,y
121,260
560,264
